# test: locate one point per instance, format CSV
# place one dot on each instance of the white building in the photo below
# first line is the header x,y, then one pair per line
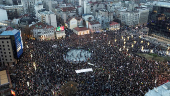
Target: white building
x,y
38,6
71,23
94,26
129,18
47,17
60,34
104,16
114,26
42,31
3,15
143,16
28,6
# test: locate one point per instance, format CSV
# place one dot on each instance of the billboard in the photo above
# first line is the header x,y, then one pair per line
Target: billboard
x,y
60,28
18,44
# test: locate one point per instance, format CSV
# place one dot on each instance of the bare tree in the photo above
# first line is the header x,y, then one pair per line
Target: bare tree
x,y
69,89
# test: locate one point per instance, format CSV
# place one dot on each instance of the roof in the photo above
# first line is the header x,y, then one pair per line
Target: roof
x,y
9,32
41,25
93,22
80,28
9,28
163,4
113,23
163,90
3,78
78,18
65,9
86,14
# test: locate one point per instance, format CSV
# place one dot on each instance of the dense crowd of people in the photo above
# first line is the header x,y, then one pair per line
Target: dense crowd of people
x,y
118,71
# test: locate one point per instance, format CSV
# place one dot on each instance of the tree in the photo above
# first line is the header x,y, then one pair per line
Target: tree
x,y
69,89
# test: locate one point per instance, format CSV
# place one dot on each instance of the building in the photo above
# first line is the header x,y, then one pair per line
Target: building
x,y
42,31
47,17
81,30
60,34
5,83
129,18
143,16
104,16
11,47
114,26
94,26
3,14
28,6
159,18
163,90
38,6
67,12
71,23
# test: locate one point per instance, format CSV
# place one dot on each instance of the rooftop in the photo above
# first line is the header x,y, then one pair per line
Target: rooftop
x,y
81,28
93,22
3,78
113,23
41,25
9,32
163,4
163,90
65,9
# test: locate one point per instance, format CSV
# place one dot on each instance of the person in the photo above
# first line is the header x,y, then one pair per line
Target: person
x,y
129,73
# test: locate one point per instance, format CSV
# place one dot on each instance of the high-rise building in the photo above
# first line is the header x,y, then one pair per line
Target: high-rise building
x,y
159,19
11,47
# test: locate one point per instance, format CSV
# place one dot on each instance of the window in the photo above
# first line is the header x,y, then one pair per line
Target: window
x,y
3,45
9,52
9,55
7,41
5,55
0,48
10,59
4,52
2,41
8,48
1,55
6,59
8,45
4,49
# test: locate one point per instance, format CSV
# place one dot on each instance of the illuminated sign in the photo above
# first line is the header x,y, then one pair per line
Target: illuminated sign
x,y
18,43
60,28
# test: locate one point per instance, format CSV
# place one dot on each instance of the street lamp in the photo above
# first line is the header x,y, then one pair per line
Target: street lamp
x,y
142,48
134,42
142,41
124,47
34,65
115,40
148,43
124,43
132,45
128,37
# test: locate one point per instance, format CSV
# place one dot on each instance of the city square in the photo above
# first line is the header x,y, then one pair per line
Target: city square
x,y
116,72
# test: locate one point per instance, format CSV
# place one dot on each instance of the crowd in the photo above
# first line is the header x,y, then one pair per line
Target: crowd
x,y
116,72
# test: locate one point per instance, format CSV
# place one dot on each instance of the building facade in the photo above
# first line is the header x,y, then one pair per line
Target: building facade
x,y
47,17
42,31
11,47
114,26
159,18
94,26
81,30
